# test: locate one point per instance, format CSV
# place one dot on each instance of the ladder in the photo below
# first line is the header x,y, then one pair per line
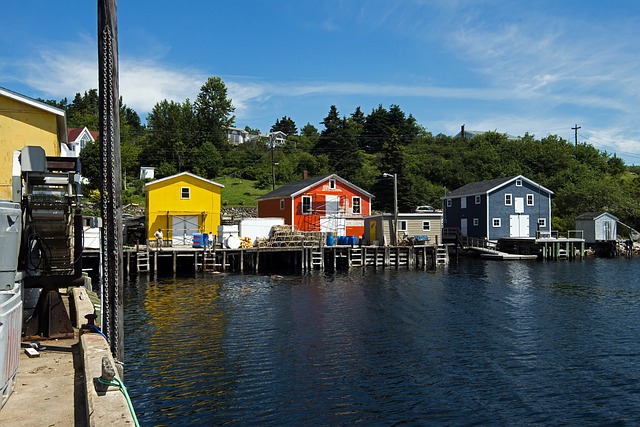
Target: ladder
x,y
442,255
209,261
142,261
317,258
356,257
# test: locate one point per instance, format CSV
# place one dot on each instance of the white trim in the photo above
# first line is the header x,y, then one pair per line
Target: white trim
x,y
353,198
310,205
533,203
166,178
403,225
478,199
496,222
428,225
510,202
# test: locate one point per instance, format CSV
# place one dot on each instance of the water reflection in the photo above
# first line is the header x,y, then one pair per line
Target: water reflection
x,y
477,343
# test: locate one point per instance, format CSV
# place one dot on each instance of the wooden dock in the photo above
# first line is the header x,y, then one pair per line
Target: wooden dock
x,y
268,260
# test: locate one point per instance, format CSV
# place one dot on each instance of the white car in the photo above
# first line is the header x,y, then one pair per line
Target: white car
x,y
425,208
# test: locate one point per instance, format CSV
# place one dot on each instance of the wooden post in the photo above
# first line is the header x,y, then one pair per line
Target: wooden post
x,y
224,261
155,264
111,187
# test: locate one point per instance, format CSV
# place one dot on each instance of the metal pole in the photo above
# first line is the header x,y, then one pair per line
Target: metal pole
x,y
395,204
111,185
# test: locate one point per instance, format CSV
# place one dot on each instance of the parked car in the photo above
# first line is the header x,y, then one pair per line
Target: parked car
x,y
425,208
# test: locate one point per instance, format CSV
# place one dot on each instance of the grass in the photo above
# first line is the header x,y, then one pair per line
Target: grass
x,y
239,192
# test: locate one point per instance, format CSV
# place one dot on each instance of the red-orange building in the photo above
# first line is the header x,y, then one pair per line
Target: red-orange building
x,y
324,203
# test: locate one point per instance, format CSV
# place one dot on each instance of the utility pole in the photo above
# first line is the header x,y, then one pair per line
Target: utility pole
x,y
273,164
576,130
110,174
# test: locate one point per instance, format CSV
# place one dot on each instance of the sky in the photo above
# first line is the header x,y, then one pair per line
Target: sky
x,y
514,67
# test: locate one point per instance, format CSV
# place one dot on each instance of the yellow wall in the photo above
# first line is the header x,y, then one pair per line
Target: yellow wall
x,y
22,125
164,201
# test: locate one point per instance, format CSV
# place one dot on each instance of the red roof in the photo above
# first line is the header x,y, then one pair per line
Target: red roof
x,y
73,134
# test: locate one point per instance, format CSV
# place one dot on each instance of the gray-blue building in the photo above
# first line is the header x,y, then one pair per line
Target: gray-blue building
x,y
513,207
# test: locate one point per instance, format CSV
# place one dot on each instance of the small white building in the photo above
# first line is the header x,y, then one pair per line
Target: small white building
x,y
147,172
597,226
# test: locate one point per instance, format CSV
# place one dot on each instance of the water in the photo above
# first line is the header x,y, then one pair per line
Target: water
x,y
478,343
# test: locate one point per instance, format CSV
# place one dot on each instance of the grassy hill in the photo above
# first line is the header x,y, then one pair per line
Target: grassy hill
x,y
239,192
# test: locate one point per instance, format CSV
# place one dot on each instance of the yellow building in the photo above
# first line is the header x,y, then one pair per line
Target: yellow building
x,y
27,122
181,205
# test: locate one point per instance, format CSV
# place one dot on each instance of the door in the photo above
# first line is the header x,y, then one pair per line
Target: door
x,y
463,226
607,230
332,205
519,226
519,205
182,229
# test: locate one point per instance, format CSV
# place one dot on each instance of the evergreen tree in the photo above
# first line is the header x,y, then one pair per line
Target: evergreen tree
x,y
286,125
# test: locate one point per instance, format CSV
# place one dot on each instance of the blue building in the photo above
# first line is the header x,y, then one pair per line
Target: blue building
x,y
513,207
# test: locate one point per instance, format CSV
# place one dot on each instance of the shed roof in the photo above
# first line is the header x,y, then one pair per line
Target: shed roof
x,y
157,181
485,187
590,216
294,188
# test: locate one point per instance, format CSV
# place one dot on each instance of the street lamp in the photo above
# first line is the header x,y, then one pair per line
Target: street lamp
x,y
395,203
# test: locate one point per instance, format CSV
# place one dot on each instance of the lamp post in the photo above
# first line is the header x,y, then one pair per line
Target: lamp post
x,y
395,204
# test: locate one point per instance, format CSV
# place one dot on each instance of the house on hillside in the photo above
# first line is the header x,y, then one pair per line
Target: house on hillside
x,y
181,205
324,203
597,226
514,207
77,139
27,122
423,227
469,134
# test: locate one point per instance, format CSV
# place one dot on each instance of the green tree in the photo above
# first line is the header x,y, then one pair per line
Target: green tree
x,y
213,112
286,125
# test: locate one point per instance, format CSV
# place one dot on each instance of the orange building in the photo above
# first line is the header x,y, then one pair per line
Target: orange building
x,y
324,203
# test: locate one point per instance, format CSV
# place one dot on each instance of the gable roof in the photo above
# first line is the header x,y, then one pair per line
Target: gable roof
x,y
587,216
74,133
488,186
182,174
61,119
294,188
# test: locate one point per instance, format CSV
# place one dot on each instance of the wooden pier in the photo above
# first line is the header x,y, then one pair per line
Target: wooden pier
x,y
269,260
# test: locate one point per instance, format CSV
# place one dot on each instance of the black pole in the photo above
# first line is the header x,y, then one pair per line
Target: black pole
x,y
111,185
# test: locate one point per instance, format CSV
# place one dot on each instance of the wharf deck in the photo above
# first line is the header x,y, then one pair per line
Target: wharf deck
x,y
268,258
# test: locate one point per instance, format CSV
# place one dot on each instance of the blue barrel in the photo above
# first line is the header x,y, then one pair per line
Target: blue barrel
x,y
342,240
197,240
353,240
329,239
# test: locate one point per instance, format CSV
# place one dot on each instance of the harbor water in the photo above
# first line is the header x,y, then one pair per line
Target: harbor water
x,y
475,343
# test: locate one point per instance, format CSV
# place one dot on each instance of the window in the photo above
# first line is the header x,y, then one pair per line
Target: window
x,y
542,222
426,225
448,203
185,193
476,222
508,199
463,203
306,205
332,184
478,200
402,225
281,204
518,183
529,199
355,205
496,222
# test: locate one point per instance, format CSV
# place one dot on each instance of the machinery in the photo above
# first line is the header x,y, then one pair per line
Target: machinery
x,y
51,247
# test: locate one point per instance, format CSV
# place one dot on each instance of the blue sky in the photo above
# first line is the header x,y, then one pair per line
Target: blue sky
x,y
512,66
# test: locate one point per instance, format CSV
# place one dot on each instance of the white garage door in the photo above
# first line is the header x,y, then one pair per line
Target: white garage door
x,y
183,227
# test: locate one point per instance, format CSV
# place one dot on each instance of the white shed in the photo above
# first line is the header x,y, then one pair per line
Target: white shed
x,y
597,226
